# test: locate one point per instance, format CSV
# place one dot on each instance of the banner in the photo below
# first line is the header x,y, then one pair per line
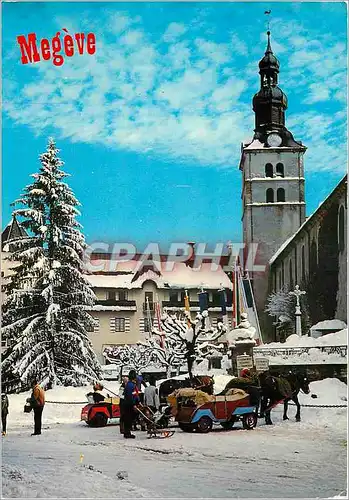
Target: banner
x,y
203,301
187,305
158,318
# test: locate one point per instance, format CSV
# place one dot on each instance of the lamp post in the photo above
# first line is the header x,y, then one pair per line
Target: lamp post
x,y
297,293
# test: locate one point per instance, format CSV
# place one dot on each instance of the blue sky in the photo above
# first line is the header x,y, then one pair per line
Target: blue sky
x,y
150,127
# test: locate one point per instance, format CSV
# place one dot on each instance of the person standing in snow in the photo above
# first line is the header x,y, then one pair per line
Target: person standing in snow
x,y
131,399
151,397
121,402
37,402
4,411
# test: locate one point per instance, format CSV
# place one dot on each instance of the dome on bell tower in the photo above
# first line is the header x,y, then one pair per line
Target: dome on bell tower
x,y
269,62
270,102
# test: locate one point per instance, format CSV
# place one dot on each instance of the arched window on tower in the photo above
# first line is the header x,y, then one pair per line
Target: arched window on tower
x,y
341,229
269,170
291,274
280,172
270,195
280,194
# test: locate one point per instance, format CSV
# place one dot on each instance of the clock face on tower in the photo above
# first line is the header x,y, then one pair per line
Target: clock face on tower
x,y
274,140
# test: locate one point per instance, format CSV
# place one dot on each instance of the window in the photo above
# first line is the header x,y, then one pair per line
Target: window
x,y
291,274
123,295
111,295
216,298
2,274
269,170
174,296
341,229
303,263
280,194
118,325
270,195
280,170
4,344
147,325
95,326
149,296
148,304
215,363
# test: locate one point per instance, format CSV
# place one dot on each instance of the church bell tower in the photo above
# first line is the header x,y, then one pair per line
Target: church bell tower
x,y
273,177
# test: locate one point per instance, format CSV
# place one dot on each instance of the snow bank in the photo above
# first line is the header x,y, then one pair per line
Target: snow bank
x,y
73,399
294,351
329,391
336,338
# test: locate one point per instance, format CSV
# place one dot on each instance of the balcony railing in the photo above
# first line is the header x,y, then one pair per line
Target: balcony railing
x,y
180,303
148,306
112,302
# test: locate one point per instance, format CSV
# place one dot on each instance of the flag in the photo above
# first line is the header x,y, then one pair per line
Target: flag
x,y
187,305
149,320
158,318
203,301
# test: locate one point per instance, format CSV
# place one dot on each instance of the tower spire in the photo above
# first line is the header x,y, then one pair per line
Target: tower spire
x,y
270,102
268,45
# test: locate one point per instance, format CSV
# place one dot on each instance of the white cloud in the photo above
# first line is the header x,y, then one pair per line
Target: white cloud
x,y
174,31
186,100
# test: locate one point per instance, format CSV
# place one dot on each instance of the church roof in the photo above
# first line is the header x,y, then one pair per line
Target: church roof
x,y
12,231
309,220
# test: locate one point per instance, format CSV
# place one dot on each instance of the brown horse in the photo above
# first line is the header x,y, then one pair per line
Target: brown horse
x,y
202,383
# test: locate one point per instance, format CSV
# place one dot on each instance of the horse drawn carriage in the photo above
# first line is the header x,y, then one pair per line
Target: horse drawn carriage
x,y
198,411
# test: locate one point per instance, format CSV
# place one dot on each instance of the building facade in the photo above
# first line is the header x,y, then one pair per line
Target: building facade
x,y
125,308
273,179
315,257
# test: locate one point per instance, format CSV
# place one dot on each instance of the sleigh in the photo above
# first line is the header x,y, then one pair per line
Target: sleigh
x,y
224,410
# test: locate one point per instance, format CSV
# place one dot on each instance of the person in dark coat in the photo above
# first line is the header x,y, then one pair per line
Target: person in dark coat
x,y
131,399
4,412
37,402
121,402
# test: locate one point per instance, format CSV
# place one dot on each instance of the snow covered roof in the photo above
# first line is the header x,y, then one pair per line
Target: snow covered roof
x,y
329,324
13,231
307,221
180,276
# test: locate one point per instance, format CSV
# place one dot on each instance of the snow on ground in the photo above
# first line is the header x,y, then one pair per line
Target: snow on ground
x,y
289,353
71,460
331,339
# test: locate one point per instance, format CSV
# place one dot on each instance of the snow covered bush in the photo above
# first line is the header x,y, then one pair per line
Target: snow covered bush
x,y
282,306
191,340
44,315
137,357
177,341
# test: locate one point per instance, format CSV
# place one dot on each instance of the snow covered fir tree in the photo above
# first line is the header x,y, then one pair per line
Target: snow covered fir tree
x,y
44,314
